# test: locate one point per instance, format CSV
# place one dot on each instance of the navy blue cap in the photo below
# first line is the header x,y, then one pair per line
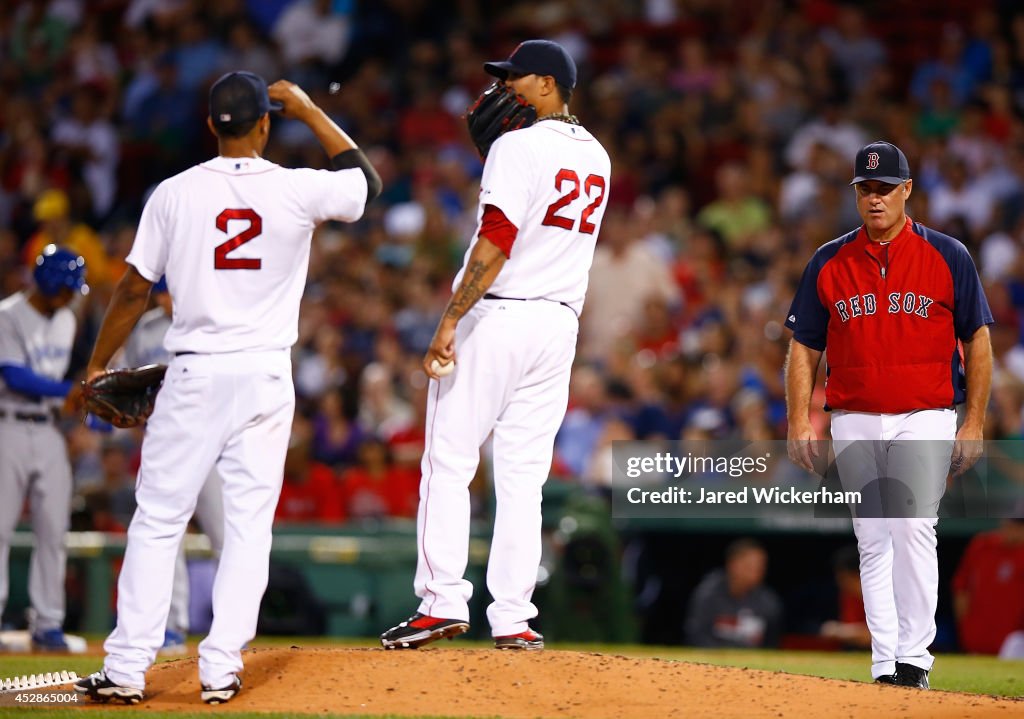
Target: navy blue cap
x,y
881,161
240,97
537,57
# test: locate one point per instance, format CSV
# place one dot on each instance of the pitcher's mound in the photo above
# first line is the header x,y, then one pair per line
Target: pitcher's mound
x,y
526,685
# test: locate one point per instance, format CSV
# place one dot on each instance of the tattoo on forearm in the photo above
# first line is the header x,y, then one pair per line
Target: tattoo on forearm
x,y
471,289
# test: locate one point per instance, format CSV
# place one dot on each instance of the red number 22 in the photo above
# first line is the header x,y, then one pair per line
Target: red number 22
x,y
553,219
221,261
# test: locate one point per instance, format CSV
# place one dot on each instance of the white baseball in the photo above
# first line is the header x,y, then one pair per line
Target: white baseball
x,y
441,370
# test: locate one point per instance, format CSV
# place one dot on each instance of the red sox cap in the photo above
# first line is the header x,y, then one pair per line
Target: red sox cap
x,y
537,57
240,97
881,161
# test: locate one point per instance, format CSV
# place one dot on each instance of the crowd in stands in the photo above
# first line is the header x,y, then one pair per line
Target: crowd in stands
x,y
732,127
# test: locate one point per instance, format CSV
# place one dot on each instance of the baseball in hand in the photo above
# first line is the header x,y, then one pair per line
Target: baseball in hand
x,y
441,370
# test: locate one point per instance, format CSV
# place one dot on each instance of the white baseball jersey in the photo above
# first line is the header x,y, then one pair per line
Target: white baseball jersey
x,y
30,339
511,380
555,192
232,235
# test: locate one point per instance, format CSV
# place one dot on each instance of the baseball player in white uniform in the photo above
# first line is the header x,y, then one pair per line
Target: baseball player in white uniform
x,y
232,235
145,346
37,330
510,329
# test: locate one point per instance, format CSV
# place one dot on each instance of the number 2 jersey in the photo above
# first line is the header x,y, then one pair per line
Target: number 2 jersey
x,y
551,181
891,316
232,235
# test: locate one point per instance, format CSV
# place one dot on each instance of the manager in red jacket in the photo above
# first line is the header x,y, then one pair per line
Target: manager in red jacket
x,y
901,311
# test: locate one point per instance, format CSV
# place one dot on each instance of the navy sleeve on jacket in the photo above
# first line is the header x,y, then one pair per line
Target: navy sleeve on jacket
x,y
970,306
808,318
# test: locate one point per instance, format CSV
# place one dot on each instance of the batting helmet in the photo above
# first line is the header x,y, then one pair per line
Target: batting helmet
x,y
56,268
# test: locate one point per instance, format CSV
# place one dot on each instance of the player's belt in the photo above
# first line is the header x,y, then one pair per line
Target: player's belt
x,y
489,296
34,417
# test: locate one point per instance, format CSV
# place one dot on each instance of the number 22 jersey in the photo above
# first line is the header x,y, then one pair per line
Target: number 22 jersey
x,y
551,181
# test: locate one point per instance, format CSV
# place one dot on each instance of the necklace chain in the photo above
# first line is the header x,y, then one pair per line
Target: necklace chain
x,y
561,117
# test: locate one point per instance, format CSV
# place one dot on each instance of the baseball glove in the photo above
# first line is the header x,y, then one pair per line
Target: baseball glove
x,y
498,110
124,397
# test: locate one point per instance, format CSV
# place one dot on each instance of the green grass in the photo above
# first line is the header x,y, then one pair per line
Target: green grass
x,y
981,675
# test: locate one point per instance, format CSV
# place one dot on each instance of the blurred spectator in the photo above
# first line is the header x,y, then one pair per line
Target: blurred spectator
x,y
336,436
91,143
988,589
247,51
164,114
381,412
851,626
737,215
623,277
310,492
112,498
731,607
855,49
198,55
584,421
831,129
314,31
53,212
376,487
38,38
958,198
947,69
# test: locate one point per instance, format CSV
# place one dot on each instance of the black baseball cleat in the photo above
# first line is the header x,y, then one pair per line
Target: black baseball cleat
x,y
886,679
101,689
907,675
221,696
529,640
419,629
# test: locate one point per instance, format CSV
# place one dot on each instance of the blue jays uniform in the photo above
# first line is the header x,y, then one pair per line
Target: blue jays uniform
x,y
33,454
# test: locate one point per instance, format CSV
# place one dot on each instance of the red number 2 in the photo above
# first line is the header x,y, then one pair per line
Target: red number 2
x,y
553,219
221,261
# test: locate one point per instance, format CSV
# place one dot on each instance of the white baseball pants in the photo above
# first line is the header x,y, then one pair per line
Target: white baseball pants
x,y
233,411
34,462
899,571
512,377
210,515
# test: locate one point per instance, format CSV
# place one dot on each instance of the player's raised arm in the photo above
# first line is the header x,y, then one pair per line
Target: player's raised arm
x,y
341,148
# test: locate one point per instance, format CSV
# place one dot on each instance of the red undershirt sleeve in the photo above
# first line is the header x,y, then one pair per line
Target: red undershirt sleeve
x,y
497,228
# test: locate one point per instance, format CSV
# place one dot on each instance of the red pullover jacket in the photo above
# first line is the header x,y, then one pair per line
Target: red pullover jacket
x,y
891,316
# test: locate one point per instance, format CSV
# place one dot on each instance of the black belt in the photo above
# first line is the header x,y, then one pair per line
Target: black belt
x,y
489,296
34,417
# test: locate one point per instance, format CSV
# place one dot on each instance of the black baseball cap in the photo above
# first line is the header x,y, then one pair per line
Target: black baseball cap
x,y
881,161
239,97
537,57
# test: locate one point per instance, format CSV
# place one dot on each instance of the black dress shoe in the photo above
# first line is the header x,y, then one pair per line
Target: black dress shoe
x,y
886,679
907,675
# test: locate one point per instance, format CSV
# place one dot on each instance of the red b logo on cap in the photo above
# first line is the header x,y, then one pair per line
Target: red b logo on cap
x,y
872,160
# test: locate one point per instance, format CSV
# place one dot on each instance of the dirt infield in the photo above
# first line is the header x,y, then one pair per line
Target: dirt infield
x,y
527,685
